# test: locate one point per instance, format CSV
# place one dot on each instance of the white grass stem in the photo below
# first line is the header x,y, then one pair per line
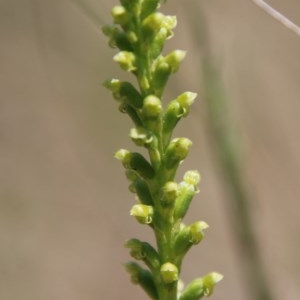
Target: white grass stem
x,y
278,16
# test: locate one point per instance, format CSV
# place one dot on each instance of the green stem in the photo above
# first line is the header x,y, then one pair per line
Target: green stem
x,y
163,234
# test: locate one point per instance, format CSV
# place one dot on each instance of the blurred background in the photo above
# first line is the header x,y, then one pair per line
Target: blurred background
x,y
64,202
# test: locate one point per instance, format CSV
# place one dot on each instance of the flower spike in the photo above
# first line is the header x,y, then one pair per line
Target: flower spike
x,y
140,31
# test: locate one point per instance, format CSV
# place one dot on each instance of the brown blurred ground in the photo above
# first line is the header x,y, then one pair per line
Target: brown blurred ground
x,y
63,198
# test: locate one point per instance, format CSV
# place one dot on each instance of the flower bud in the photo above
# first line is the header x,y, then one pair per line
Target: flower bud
x,y
182,241
113,85
152,107
194,291
124,91
174,59
120,15
192,177
154,22
141,137
186,194
143,213
122,155
135,161
177,151
132,37
186,100
201,287
172,115
177,109
142,277
169,273
189,236
196,232
126,60
158,43
209,282
143,192
144,251
169,193
161,75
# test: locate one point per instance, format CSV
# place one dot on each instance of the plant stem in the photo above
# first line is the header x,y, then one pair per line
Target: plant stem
x,y
163,232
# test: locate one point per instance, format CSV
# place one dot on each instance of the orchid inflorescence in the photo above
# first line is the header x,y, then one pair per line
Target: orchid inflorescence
x,y
140,32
